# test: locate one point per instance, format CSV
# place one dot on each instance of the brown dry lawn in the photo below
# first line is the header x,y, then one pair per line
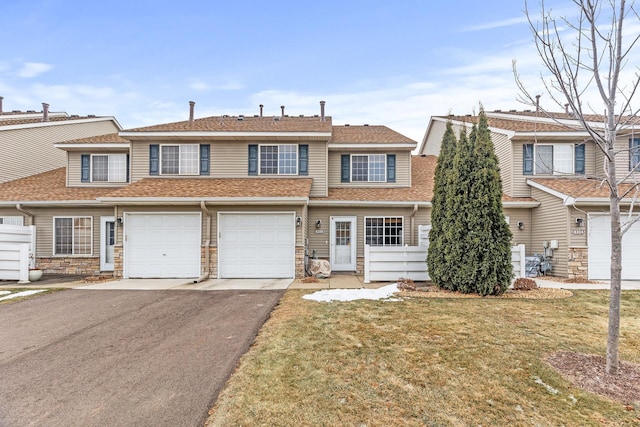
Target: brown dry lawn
x,y
429,361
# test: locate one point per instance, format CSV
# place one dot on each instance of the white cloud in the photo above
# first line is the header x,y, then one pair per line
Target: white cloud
x,y
200,86
495,24
33,69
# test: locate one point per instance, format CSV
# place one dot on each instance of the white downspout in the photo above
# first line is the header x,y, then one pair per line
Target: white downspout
x,y
207,252
29,214
413,226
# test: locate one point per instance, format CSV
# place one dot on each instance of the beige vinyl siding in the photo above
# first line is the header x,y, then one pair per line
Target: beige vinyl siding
x,y
622,161
519,237
503,149
44,227
403,170
74,172
434,139
320,239
229,159
551,222
29,151
578,235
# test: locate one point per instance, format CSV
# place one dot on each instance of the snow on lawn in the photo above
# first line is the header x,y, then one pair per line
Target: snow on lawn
x,y
22,294
329,295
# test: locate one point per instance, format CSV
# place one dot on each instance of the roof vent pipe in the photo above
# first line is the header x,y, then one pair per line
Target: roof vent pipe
x,y
1,98
192,105
537,103
322,111
45,112
282,108
261,107
566,108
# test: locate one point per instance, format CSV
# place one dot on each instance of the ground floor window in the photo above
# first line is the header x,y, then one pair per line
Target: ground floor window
x,y
383,231
72,235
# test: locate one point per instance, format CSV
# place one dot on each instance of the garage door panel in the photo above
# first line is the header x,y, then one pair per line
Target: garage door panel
x,y
600,250
257,245
163,245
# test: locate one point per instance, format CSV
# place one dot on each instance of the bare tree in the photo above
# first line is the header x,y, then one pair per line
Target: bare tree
x,y
584,72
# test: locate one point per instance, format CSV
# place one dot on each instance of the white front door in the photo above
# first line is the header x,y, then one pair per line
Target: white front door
x,y
107,241
343,243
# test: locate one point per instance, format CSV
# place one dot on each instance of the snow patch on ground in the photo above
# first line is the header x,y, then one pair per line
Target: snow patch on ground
x,y
329,295
22,294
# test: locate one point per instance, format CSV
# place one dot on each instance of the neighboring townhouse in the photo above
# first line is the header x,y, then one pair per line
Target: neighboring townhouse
x,y
548,159
225,197
27,139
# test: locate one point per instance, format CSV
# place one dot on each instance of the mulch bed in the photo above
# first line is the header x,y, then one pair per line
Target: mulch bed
x,y
588,371
433,291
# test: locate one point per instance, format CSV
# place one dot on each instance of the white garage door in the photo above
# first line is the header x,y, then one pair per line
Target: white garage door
x,y
162,245
256,245
600,250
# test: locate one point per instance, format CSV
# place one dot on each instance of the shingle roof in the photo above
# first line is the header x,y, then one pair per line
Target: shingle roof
x,y
26,121
214,188
243,124
581,187
98,139
516,125
47,186
368,134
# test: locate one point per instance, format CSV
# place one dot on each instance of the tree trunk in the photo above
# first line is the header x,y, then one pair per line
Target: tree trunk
x,y
616,269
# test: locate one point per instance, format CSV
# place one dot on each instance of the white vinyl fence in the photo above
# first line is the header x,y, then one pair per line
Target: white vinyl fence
x,y
390,263
17,245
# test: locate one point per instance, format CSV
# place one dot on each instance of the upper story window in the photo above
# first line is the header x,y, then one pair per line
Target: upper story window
x,y
553,159
104,168
278,159
383,231
179,159
634,154
72,235
368,168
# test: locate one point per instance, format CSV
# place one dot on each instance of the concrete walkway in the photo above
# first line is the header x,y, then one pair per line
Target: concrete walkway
x,y
188,284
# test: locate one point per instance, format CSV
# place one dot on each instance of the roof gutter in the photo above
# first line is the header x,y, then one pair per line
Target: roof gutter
x,y
210,201
368,203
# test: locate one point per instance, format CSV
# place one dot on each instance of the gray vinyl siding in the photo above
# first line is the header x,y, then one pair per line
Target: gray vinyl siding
x,y
44,227
320,239
74,178
403,170
229,160
551,222
29,151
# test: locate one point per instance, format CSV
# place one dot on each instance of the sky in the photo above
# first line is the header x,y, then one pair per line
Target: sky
x,y
393,63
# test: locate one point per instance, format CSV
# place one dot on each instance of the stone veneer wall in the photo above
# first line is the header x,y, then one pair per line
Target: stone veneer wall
x,y
117,262
578,263
69,265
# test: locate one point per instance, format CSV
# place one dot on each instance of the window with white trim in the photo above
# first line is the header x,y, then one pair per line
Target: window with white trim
x,y
551,159
634,154
11,220
369,168
108,167
278,159
180,159
72,235
383,231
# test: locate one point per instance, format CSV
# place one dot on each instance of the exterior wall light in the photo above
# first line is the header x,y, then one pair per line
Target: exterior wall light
x,y
520,225
298,221
318,224
579,222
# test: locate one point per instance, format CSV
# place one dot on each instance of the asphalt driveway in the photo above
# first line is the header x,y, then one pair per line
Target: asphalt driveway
x,y
123,358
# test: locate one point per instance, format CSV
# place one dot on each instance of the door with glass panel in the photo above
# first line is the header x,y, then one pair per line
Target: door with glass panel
x,y
343,243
